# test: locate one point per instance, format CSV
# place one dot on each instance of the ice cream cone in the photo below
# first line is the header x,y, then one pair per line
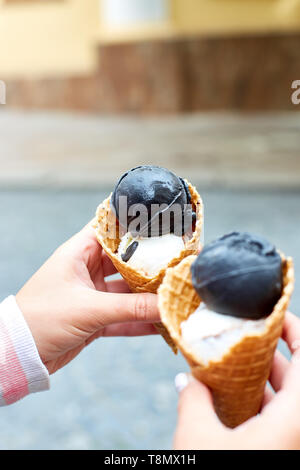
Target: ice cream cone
x,y
238,379
108,235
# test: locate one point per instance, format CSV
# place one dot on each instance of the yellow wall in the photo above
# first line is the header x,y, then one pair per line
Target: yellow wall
x,y
189,17
47,39
235,16
60,37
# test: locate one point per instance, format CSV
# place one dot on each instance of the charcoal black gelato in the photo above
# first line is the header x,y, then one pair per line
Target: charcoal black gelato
x,y
240,274
158,190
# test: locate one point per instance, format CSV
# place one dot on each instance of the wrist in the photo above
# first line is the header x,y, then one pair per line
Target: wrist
x,y
22,370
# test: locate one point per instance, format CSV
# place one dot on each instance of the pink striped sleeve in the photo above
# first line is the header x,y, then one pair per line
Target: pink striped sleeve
x,y
21,369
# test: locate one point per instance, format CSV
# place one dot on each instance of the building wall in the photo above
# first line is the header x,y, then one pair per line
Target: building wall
x,y
127,56
236,16
48,38
51,38
174,76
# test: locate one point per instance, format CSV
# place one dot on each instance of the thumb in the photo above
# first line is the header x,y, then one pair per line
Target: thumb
x,y
122,308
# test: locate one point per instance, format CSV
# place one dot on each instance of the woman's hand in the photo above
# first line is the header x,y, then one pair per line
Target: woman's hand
x,y
68,303
276,427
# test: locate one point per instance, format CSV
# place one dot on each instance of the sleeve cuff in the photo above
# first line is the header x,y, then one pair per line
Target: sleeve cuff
x,y
21,369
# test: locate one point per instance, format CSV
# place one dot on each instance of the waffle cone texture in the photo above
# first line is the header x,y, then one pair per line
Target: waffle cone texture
x,y
109,235
237,381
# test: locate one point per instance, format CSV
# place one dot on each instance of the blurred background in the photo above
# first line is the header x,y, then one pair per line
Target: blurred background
x,y
95,87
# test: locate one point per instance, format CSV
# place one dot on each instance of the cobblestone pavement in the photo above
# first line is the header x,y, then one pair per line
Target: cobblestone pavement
x,y
118,393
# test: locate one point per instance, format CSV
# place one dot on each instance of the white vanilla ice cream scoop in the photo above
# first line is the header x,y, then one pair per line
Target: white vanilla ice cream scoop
x,y
152,254
210,334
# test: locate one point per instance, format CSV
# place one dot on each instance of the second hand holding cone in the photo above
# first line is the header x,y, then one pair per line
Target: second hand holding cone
x,y
234,349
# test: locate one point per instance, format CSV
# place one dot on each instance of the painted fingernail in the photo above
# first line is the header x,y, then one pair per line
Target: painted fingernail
x,y
181,381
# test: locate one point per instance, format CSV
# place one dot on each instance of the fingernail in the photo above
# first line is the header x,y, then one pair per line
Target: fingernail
x,y
181,381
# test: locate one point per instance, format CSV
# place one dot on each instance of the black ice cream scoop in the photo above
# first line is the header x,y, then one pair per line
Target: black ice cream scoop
x,y
152,201
240,274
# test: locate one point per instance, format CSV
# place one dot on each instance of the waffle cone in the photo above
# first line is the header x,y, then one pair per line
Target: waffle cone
x,y
109,235
238,379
